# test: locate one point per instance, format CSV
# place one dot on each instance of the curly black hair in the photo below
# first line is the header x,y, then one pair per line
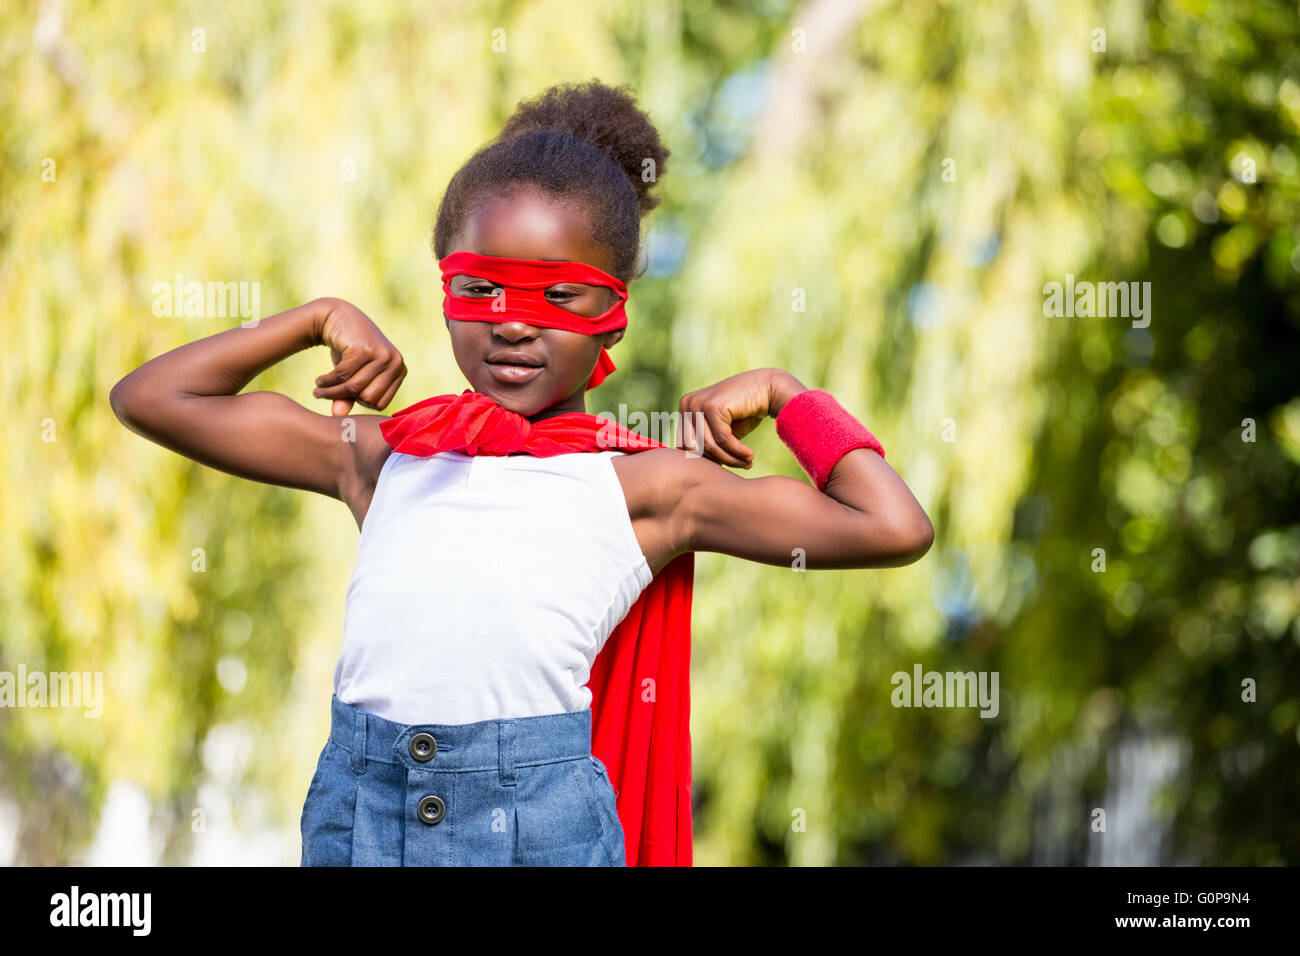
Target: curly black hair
x,y
588,142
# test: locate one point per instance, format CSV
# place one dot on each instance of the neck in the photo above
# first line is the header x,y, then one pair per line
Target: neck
x,y
574,403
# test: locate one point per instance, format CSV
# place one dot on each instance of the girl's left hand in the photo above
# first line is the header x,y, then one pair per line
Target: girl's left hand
x,y
714,419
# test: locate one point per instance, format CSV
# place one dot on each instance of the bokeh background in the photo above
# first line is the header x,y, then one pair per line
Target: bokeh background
x,y
917,171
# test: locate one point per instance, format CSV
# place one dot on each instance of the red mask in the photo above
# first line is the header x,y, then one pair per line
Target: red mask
x,y
523,297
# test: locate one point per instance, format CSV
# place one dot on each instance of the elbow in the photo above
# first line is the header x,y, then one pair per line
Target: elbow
x,y
125,402
117,400
910,541
922,539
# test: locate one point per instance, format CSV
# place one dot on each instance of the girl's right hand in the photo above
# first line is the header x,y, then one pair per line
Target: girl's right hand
x,y
367,367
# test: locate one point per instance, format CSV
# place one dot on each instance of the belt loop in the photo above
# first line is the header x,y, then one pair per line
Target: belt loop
x,y
359,741
506,751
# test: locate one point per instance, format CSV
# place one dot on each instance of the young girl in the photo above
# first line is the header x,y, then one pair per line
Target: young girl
x,y
504,536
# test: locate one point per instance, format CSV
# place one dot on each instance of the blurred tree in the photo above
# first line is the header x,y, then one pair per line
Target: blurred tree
x,y
1188,161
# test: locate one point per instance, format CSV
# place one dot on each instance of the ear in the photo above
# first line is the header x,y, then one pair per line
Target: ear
x,y
614,337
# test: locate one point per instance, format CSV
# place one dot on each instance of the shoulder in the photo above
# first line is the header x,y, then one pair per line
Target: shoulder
x,y
659,480
663,464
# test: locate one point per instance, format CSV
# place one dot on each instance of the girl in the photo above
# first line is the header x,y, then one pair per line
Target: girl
x,y
504,536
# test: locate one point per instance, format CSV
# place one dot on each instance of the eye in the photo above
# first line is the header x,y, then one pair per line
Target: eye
x,y
480,288
561,295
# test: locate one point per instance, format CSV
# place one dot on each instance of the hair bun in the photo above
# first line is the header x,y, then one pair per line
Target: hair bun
x,y
606,117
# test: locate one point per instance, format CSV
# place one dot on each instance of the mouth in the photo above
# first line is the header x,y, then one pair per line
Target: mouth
x,y
514,368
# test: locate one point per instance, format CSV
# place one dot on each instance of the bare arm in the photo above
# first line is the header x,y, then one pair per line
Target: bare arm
x,y
866,518
187,400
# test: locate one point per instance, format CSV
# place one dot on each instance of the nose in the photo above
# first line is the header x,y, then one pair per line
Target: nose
x,y
514,331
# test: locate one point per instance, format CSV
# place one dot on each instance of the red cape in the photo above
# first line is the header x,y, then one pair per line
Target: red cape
x,y
641,714
640,680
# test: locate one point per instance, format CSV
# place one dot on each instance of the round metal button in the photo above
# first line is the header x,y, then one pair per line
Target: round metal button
x,y
423,747
431,810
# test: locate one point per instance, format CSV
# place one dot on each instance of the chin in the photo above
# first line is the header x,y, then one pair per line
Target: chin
x,y
521,401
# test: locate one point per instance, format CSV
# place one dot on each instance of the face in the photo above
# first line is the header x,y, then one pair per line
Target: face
x,y
529,369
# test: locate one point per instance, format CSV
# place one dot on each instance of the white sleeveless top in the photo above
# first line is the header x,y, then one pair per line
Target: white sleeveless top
x,y
485,586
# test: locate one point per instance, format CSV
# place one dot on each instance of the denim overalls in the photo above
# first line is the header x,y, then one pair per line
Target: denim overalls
x,y
522,791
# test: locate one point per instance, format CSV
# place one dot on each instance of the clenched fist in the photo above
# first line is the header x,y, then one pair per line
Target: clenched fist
x,y
714,419
368,369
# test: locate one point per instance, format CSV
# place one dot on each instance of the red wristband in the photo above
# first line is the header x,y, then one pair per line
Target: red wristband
x,y
819,432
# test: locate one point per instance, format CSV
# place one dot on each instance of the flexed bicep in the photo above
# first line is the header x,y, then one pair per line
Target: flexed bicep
x,y
186,400
263,436
776,520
